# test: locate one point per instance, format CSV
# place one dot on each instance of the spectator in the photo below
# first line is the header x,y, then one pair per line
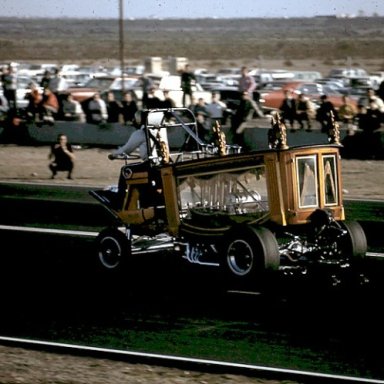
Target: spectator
x,y
380,91
372,97
97,110
288,109
187,80
347,113
216,109
71,109
9,81
34,102
62,157
49,106
146,85
153,101
168,102
367,144
304,112
57,83
324,114
244,113
374,116
44,83
203,125
129,108
246,82
4,108
200,106
114,108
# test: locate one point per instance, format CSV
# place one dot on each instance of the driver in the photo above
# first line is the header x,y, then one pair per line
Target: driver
x,y
136,141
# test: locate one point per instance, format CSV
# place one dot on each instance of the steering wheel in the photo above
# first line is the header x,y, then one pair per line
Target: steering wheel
x,y
123,156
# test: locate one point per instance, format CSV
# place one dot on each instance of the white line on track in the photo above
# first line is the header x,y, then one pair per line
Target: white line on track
x,y
48,230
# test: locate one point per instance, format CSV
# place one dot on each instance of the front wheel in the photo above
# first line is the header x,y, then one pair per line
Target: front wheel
x,y
112,249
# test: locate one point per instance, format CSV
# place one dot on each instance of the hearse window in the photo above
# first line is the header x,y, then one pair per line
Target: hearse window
x,y
234,192
330,181
307,181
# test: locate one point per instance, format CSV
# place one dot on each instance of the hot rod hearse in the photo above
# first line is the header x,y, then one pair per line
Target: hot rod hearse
x,y
250,214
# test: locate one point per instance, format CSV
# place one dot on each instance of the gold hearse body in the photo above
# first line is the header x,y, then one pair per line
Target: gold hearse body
x,y
296,182
275,209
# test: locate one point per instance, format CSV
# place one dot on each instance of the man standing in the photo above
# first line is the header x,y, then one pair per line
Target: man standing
x,y
288,108
187,79
246,82
9,81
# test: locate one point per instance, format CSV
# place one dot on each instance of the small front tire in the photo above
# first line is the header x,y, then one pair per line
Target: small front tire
x,y
112,249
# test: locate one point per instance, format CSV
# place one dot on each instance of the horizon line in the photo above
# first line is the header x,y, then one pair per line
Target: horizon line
x,y
337,16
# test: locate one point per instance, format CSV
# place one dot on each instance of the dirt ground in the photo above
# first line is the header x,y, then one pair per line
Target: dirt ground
x,y
19,365
362,178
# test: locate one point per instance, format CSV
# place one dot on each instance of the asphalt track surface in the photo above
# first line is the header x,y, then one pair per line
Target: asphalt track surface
x,y
51,229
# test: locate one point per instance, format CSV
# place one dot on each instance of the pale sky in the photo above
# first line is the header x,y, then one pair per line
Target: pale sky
x,y
188,8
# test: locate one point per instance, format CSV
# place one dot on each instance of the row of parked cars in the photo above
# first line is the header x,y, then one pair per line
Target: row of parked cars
x,y
83,82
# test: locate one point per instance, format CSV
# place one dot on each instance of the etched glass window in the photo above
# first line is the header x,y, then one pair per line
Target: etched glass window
x,y
234,192
307,181
330,180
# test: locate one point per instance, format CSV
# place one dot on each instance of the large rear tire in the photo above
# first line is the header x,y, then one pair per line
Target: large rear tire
x,y
354,244
249,254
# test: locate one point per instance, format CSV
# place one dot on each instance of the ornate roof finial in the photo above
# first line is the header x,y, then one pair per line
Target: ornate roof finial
x,y
334,130
220,139
277,135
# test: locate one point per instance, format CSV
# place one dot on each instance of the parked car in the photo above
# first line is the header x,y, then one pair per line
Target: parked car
x,y
271,100
101,84
251,215
95,84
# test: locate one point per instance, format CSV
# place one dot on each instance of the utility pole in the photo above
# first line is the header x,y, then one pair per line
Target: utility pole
x,y
121,39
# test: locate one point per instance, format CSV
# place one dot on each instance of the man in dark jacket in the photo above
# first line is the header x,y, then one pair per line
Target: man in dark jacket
x,y
187,79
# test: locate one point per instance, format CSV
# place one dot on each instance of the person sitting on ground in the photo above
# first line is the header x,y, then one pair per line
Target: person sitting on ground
x,y
62,156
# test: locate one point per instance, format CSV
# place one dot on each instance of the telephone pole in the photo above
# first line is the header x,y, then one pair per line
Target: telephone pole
x,y
121,39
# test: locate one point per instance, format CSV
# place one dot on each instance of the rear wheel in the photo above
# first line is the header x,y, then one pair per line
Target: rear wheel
x,y
249,253
354,244
112,249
